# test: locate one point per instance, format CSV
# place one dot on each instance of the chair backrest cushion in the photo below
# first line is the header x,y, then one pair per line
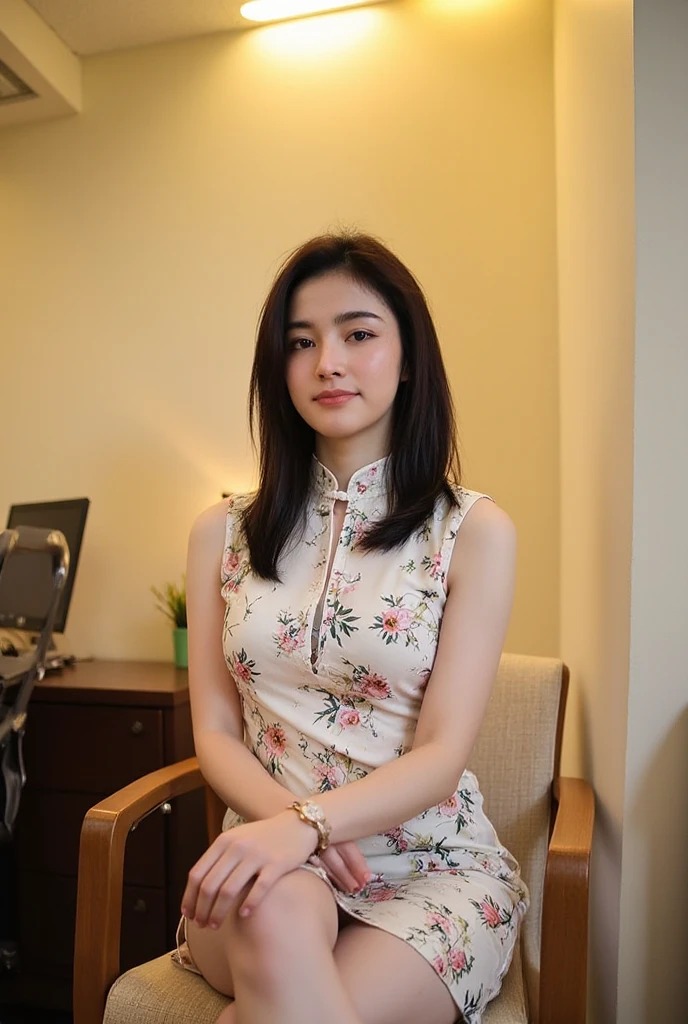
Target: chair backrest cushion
x,y
513,760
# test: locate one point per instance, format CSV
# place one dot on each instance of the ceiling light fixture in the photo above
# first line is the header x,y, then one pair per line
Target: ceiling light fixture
x,y
280,10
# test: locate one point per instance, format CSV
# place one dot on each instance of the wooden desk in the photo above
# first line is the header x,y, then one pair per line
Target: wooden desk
x,y
92,729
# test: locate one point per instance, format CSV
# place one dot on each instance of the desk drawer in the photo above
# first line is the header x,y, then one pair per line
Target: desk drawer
x,y
49,829
48,916
91,749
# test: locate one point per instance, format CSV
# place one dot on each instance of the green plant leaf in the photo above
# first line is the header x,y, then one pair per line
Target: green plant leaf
x,y
171,601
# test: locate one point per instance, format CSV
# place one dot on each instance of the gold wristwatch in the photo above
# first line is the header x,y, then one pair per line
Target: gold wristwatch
x,y
314,815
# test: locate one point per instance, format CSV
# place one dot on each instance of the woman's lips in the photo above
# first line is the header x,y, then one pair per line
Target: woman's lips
x,y
335,399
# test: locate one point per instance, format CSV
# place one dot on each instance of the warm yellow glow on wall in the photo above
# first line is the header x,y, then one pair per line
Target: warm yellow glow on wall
x,y
459,7
279,10
316,40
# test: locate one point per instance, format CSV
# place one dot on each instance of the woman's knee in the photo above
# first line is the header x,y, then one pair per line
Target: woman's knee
x,y
210,951
298,910
297,903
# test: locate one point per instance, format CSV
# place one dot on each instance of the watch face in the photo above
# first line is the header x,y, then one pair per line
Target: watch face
x,y
312,811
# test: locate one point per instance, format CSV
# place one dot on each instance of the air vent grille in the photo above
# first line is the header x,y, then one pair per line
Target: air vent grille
x,y
11,86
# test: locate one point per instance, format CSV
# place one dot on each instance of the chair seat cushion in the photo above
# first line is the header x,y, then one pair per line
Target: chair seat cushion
x,y
509,1007
159,992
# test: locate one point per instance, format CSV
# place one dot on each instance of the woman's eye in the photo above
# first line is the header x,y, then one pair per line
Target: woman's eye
x,y
361,335
298,343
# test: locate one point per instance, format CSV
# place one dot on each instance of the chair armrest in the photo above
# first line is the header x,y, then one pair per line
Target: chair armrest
x,y
564,952
101,869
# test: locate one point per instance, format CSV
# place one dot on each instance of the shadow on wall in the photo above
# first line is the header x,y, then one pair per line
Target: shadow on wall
x,y
660,816
603,931
145,498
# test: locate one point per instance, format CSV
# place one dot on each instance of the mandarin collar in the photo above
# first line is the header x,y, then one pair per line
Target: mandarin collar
x,y
369,481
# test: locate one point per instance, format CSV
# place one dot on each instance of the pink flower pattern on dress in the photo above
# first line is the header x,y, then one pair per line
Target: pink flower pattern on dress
x,y
433,563
329,774
275,740
491,914
440,965
449,808
374,687
396,620
348,717
379,891
458,960
396,838
291,633
244,669
441,921
231,561
400,622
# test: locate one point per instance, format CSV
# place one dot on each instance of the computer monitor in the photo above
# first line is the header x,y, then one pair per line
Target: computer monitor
x,y
26,582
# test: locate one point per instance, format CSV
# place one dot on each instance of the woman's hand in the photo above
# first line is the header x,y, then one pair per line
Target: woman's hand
x,y
345,866
264,850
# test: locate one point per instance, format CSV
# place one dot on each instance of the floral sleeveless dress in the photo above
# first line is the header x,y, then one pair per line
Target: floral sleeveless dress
x,y
442,881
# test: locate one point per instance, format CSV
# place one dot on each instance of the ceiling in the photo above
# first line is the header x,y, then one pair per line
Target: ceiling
x,y
98,26
42,43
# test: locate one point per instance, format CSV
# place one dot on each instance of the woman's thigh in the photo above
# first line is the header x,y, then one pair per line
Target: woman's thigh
x,y
298,903
389,981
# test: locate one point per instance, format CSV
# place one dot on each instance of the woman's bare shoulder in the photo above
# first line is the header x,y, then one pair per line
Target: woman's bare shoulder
x,y
487,537
486,517
209,527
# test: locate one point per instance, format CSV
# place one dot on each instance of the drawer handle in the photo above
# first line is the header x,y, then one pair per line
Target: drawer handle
x,y
137,727
140,907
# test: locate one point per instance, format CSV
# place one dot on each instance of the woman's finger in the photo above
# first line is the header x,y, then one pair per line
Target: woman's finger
x,y
231,889
336,865
213,882
319,863
197,874
355,861
261,887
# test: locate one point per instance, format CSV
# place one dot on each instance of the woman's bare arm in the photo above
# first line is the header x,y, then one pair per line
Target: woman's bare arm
x,y
235,774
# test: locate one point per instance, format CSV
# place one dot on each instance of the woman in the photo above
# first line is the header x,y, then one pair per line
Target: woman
x,y
363,598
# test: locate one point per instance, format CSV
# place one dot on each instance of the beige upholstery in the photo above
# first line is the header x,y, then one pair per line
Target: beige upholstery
x,y
514,762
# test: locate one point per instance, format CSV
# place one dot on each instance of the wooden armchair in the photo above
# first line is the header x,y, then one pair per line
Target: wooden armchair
x,y
546,821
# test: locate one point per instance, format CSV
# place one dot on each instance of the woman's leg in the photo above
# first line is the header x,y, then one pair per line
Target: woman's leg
x,y
388,981
278,962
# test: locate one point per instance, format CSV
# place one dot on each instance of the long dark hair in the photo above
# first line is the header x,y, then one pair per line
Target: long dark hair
x,y
423,456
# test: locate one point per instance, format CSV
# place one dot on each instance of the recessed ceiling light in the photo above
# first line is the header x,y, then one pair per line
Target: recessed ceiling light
x,y
280,10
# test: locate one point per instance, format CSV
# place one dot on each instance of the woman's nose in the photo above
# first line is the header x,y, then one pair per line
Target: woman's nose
x,y
330,362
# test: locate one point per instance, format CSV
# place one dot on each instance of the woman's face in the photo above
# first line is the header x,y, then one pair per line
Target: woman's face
x,y
344,360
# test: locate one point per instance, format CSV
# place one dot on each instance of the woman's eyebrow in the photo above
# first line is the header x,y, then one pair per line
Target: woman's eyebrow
x,y
340,318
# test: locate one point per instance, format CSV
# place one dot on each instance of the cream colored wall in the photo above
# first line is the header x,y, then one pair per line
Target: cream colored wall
x,y
624,427
653,982
595,220
139,239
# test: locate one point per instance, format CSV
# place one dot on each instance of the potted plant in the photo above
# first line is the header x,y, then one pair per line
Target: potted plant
x,y
172,603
